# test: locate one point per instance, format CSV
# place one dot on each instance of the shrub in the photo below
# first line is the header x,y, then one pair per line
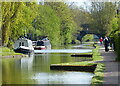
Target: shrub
x,y
117,45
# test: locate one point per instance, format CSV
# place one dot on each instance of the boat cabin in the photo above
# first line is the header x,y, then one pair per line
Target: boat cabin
x,y
23,45
42,44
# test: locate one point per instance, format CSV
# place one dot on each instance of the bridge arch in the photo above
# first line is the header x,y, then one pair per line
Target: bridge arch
x,y
83,33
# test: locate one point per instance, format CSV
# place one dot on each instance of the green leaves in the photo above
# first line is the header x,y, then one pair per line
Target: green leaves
x,y
67,24
102,14
48,23
54,19
16,20
88,37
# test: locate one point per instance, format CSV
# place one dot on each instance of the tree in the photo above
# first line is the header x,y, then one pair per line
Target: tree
x,y
81,17
16,20
54,19
66,19
9,13
102,14
47,23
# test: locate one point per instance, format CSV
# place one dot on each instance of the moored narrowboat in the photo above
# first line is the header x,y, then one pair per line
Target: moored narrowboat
x,y
23,45
42,44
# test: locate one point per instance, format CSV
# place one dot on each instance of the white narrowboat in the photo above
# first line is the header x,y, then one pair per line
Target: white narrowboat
x,y
23,45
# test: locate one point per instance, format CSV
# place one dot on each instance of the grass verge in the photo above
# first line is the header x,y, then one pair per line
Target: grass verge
x,y
4,51
99,71
85,63
99,75
96,54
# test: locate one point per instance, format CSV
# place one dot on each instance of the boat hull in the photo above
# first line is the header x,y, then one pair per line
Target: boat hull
x,y
24,51
39,48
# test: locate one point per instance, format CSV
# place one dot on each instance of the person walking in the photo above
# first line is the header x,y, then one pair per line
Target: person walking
x,y
101,40
106,43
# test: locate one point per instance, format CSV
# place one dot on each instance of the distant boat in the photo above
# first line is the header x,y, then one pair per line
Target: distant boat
x,y
23,45
42,44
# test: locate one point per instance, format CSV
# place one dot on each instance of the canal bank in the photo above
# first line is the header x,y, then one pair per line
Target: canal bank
x,y
9,53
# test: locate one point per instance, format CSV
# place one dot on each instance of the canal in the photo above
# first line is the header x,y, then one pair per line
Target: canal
x,y
35,69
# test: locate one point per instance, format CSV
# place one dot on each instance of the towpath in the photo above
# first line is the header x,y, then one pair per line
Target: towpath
x,y
112,72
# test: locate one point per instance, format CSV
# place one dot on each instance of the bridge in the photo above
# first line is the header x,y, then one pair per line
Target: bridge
x,y
84,32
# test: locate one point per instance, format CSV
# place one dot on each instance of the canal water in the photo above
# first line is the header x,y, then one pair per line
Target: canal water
x,y
36,70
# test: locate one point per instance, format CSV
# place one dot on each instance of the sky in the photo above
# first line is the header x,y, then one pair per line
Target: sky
x,y
76,2
80,3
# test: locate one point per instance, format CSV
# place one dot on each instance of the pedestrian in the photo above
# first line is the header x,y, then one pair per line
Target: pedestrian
x,y
106,43
101,40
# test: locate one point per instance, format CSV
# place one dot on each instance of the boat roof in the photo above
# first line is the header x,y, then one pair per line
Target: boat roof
x,y
23,39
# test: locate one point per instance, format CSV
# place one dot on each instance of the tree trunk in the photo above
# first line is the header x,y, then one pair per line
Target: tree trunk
x,y
5,33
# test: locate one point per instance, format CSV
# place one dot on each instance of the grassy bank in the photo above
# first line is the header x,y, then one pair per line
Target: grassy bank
x,y
99,75
85,63
99,72
4,51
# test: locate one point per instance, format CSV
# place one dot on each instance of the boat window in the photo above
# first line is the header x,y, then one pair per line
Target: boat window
x,y
19,43
26,43
46,43
22,43
40,43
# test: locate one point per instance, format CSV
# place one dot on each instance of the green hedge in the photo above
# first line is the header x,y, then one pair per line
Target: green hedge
x,y
117,44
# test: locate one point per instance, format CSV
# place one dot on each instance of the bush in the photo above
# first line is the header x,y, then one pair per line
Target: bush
x,y
87,38
117,45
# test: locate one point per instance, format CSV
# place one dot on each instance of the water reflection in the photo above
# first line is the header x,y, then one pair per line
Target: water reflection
x,y
36,70
64,51
63,77
83,46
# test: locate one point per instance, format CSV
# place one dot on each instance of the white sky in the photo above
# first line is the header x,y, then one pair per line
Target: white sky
x,y
82,3
76,2
79,1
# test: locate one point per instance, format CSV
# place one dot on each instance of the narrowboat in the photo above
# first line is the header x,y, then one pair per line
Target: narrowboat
x,y
42,44
23,45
